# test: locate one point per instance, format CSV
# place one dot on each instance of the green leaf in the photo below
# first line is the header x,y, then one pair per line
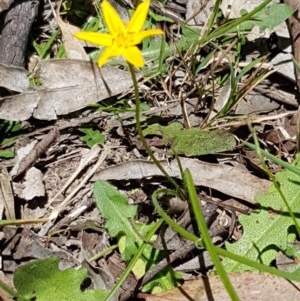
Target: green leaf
x,y
41,280
116,211
163,281
159,18
297,65
61,52
193,141
92,137
9,131
269,17
267,230
152,52
44,49
7,154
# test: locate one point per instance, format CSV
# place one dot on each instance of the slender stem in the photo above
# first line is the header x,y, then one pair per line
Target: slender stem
x,y
139,128
104,252
198,241
134,260
202,227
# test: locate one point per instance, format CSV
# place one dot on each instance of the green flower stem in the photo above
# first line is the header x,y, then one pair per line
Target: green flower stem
x,y
279,162
140,131
221,252
197,211
104,252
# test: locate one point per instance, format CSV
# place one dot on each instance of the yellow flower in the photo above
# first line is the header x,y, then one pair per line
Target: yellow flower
x,y
122,37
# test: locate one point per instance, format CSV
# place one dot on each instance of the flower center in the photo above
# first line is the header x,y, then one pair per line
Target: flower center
x,y
123,39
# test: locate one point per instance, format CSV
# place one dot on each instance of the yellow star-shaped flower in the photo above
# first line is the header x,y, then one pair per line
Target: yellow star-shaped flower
x,y
122,38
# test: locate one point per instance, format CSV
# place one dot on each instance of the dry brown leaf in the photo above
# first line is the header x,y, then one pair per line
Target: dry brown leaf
x,y
74,47
224,178
14,78
256,103
31,246
7,200
33,184
198,12
67,86
5,4
22,154
4,295
249,287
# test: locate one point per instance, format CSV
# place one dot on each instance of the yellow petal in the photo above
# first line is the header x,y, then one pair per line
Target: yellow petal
x,y
112,19
134,56
96,38
108,53
138,19
139,37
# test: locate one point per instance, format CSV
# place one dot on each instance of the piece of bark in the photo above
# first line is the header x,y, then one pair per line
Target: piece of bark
x,y
294,28
17,22
7,201
39,149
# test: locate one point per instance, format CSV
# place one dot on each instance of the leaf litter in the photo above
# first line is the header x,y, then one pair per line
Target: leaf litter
x,y
66,86
221,172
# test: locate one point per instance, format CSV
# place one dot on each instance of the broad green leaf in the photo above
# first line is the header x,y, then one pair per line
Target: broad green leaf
x,y
163,281
193,141
9,131
7,154
269,17
41,280
116,211
92,137
266,231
